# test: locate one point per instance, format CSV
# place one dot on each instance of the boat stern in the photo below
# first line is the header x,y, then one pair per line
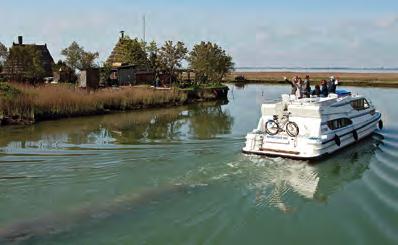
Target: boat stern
x,y
282,145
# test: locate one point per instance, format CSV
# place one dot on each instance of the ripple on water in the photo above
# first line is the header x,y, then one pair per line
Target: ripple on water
x,y
379,198
376,213
239,190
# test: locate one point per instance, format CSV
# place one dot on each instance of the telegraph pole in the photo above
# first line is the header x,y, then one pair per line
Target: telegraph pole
x,y
143,28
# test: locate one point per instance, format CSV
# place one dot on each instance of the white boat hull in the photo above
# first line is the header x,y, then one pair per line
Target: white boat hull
x,y
302,147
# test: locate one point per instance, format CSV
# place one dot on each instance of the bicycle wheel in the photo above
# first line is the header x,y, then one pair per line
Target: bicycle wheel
x,y
271,127
292,129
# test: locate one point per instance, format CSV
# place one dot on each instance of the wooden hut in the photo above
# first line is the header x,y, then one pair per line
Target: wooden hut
x,y
131,75
64,75
118,52
89,78
125,75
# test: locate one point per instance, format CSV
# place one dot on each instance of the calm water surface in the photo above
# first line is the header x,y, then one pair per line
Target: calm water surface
x,y
177,176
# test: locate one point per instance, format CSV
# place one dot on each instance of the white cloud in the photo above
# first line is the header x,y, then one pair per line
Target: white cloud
x,y
253,40
344,42
387,22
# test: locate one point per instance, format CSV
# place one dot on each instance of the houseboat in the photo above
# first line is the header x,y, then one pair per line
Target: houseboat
x,y
313,127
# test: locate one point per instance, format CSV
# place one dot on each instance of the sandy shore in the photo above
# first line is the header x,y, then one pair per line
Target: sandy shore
x,y
348,79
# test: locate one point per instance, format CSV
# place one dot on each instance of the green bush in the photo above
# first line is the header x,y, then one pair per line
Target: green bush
x,y
8,91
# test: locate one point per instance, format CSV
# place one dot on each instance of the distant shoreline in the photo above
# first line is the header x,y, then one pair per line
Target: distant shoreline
x,y
319,69
360,79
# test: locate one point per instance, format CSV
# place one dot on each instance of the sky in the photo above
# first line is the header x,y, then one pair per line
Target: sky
x,y
283,33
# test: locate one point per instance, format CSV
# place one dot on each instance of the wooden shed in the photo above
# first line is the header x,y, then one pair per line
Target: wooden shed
x,y
89,78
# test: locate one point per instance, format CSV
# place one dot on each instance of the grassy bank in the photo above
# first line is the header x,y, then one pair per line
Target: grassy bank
x,y
22,104
26,104
346,79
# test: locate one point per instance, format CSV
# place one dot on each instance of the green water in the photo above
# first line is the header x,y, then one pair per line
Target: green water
x,y
177,176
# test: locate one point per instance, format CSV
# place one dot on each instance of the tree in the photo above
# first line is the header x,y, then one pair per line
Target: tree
x,y
105,73
66,73
88,59
78,58
170,57
152,51
3,55
209,62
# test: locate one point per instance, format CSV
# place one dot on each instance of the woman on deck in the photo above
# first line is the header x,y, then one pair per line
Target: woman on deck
x,y
316,91
324,89
300,88
292,83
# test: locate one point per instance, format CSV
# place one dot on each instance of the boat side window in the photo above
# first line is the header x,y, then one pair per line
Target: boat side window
x,y
339,123
360,104
365,104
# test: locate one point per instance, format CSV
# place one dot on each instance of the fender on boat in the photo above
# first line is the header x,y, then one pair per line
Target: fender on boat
x,y
355,135
337,140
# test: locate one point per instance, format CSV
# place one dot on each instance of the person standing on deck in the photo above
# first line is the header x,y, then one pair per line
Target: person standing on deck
x,y
300,88
316,91
324,88
331,85
292,83
336,82
306,87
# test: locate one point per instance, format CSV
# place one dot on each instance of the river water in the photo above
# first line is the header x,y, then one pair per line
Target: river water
x,y
177,176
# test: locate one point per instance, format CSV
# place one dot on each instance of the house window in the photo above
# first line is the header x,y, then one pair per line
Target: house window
x,y
339,123
360,104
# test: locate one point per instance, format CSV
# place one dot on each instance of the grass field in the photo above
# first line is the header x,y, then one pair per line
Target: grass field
x,y
349,79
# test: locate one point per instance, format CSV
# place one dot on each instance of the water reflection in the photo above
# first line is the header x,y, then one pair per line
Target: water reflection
x,y
278,178
207,122
202,121
139,177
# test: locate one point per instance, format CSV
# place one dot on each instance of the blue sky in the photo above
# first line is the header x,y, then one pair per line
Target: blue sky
x,y
310,33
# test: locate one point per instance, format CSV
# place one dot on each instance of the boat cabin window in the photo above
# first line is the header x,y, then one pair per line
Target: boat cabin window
x,y
339,123
360,104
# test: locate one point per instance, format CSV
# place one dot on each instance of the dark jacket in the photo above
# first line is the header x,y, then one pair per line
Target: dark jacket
x,y
316,91
307,88
324,91
331,85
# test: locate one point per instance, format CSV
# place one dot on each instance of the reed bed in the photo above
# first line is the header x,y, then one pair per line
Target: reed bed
x,y
51,102
346,78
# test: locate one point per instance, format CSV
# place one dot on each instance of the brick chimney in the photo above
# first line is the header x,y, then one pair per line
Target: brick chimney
x,y
20,40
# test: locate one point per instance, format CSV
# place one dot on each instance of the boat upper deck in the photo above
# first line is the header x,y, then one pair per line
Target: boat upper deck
x,y
314,107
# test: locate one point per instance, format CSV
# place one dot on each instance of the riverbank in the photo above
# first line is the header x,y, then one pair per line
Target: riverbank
x,y
346,79
21,104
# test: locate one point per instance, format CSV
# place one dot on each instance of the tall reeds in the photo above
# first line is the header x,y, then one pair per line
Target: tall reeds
x,y
51,102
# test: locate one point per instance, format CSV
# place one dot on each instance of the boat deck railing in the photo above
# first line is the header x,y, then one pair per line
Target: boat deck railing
x,y
313,100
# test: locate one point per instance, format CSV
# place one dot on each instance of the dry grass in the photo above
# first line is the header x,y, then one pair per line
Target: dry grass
x,y
50,102
349,78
